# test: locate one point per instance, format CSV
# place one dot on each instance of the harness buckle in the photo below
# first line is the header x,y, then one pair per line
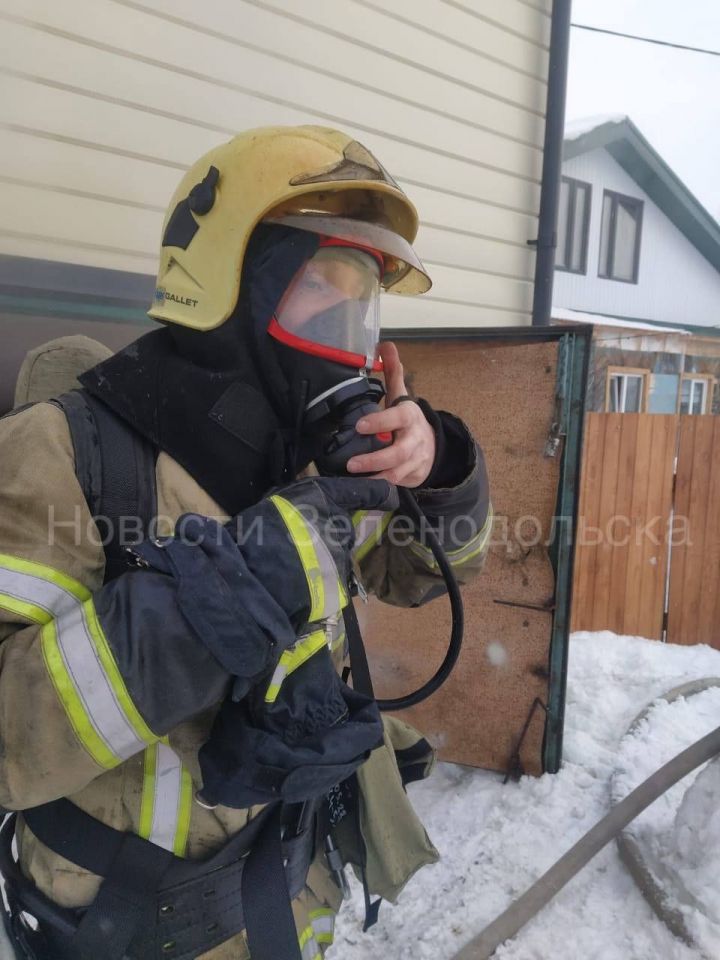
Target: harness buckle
x,y
337,866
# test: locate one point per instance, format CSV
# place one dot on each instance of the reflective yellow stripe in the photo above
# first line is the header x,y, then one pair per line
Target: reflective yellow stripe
x,y
166,801
323,924
184,813
369,527
147,800
463,554
112,672
327,594
43,572
293,658
22,609
71,701
308,945
77,657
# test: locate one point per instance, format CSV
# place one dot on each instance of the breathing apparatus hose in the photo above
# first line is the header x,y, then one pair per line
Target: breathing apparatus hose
x,y
342,408
410,506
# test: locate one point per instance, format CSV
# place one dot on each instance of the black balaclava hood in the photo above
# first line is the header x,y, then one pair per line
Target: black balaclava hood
x,y
218,402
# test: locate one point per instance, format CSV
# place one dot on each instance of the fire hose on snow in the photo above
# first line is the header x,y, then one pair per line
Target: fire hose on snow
x,y
522,910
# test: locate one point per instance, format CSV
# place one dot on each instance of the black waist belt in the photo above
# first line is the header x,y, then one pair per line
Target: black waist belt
x,y
153,905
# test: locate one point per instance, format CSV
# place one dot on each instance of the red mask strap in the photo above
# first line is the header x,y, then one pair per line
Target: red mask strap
x,y
337,242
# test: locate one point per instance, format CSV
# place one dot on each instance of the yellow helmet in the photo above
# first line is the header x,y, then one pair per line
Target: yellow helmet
x,y
313,178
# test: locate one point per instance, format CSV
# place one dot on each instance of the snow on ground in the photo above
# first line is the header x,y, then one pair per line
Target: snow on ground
x,y
679,835
496,840
693,846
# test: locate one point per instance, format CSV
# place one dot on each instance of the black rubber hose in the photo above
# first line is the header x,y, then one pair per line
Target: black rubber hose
x,y
410,506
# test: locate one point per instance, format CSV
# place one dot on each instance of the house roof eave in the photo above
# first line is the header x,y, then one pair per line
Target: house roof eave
x,y
626,144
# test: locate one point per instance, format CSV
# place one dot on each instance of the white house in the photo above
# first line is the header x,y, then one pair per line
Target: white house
x,y
105,103
639,257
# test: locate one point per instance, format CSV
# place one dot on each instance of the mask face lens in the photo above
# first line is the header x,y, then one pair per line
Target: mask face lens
x,y
333,302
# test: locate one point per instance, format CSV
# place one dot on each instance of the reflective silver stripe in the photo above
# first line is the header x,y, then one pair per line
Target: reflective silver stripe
x,y
292,658
334,601
41,593
93,686
368,524
168,793
79,655
466,552
310,949
327,595
323,924
336,634
276,680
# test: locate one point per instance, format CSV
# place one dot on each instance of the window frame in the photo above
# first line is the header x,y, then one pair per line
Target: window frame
x,y
709,380
615,198
641,372
574,183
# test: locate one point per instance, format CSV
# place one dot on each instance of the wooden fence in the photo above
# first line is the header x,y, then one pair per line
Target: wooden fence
x,y
694,595
648,542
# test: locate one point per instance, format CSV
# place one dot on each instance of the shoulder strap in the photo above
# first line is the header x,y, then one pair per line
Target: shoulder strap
x,y
115,466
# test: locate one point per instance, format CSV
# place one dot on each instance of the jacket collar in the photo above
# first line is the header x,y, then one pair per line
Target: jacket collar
x,y
218,425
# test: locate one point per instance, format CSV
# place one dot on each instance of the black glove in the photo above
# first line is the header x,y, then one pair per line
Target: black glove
x,y
298,541
247,588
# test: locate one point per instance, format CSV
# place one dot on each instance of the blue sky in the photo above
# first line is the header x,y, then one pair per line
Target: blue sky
x,y
673,96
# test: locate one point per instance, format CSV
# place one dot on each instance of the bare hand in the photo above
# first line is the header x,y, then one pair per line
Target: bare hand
x,y
408,461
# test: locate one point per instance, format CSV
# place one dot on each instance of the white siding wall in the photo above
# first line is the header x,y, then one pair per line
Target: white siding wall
x,y
676,284
103,103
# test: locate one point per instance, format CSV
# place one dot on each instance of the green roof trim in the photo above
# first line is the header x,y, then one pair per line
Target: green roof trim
x,y
625,143
698,330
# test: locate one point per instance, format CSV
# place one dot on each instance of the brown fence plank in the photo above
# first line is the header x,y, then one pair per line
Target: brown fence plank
x,y
713,631
695,561
681,560
588,507
655,551
638,505
683,480
708,626
697,555
604,550
618,527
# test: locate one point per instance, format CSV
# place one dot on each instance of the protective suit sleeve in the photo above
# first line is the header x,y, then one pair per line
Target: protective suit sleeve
x,y
394,560
89,674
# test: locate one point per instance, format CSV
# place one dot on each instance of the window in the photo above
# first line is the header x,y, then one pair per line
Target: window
x,y
573,223
620,237
695,392
626,390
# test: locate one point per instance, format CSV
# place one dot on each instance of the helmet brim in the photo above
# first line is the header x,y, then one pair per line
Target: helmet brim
x,y
404,273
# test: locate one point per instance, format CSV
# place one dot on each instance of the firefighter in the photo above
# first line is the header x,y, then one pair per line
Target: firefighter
x,y
167,728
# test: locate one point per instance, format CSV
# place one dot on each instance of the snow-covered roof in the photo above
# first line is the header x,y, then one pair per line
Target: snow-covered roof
x,y
581,126
598,320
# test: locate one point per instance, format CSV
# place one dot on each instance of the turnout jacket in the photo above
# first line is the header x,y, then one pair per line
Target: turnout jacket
x,y
106,697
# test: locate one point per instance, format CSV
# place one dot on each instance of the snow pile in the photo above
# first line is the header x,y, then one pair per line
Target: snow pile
x,y
693,848
496,840
678,837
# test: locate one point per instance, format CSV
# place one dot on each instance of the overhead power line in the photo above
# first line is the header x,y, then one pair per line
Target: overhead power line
x,y
660,43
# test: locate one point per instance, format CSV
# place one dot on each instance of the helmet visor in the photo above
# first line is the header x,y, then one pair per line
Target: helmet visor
x,y
403,271
331,307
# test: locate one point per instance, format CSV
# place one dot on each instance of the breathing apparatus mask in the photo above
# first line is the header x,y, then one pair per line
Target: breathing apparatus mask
x,y
326,330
